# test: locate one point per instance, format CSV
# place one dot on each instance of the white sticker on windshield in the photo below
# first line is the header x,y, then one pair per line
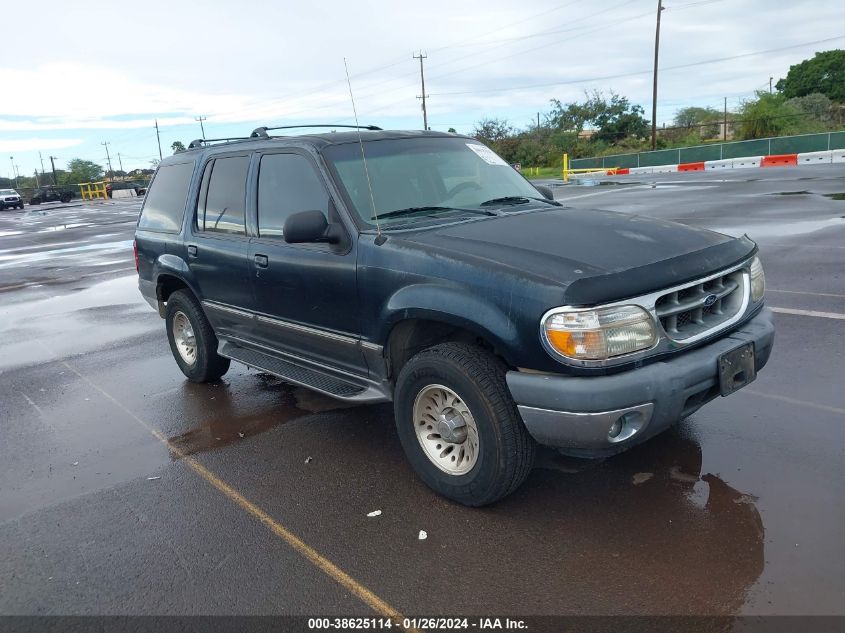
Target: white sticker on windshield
x,y
486,154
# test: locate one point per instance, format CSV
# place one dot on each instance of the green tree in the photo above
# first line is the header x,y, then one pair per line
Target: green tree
x,y
816,106
80,170
452,130
824,73
613,116
492,131
768,115
177,146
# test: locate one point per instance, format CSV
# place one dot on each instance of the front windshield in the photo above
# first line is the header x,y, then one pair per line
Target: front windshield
x,y
456,175
7,192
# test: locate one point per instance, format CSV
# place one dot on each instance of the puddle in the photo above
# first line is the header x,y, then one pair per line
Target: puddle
x,y
12,260
229,418
45,329
785,229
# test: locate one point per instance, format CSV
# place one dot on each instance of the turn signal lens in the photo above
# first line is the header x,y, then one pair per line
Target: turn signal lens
x,y
758,280
600,334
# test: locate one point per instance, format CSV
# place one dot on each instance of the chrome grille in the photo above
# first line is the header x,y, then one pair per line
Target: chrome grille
x,y
685,313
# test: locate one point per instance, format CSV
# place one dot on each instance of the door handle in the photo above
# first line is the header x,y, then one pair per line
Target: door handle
x,y
262,261
192,250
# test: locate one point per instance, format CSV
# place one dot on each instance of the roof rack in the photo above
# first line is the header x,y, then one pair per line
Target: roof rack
x,y
199,142
261,132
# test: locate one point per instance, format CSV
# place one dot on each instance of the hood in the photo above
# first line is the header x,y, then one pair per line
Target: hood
x,y
598,255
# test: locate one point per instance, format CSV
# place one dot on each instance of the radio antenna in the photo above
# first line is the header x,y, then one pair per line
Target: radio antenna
x,y
361,144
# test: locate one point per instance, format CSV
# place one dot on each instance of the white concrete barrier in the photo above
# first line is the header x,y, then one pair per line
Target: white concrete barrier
x,y
664,169
641,170
814,158
123,193
718,164
837,156
748,161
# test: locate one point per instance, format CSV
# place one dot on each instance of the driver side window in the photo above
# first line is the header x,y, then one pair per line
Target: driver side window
x,y
287,184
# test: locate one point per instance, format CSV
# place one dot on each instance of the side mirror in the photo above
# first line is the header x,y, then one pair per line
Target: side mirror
x,y
311,226
546,191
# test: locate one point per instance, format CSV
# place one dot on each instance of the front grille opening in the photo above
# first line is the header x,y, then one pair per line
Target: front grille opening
x,y
699,399
701,308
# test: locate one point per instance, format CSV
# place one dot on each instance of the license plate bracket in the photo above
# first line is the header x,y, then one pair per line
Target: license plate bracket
x,y
736,369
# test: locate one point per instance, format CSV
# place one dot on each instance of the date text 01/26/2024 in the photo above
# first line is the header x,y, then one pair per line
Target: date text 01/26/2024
x,y
428,624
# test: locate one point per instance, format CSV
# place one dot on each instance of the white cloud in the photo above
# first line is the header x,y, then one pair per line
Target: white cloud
x,y
36,144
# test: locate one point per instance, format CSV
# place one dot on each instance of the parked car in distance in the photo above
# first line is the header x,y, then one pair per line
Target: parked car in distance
x,y
140,188
420,268
10,199
50,194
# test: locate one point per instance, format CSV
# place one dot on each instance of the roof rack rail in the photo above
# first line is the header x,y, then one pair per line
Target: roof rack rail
x,y
199,142
261,132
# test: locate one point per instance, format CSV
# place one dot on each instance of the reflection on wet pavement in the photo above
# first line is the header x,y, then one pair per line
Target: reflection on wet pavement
x,y
660,522
227,419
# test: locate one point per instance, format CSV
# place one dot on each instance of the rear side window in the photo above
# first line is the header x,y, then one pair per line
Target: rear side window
x,y
164,206
222,202
287,184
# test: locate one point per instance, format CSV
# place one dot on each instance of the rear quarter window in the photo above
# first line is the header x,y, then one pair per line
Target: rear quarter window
x,y
164,205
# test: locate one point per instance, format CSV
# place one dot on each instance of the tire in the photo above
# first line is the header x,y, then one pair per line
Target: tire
x,y
504,451
65,198
204,364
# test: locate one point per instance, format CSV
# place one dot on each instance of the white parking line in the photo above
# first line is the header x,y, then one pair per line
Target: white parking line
x,y
601,193
804,292
810,313
796,401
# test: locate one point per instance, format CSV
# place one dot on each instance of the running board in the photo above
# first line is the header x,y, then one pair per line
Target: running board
x,y
343,388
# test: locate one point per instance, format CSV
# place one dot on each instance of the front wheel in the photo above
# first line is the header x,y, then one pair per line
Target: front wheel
x,y
192,340
459,426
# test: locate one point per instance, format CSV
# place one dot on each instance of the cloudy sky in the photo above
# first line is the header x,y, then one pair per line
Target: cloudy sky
x,y
76,74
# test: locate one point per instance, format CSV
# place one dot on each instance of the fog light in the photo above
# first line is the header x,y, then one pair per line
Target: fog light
x,y
616,428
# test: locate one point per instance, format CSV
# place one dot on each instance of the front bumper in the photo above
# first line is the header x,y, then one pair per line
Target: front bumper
x,y
576,413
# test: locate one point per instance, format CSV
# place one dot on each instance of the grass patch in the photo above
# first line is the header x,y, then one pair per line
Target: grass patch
x,y
541,172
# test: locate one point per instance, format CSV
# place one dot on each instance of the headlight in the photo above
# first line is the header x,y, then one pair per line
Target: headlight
x,y
758,280
599,334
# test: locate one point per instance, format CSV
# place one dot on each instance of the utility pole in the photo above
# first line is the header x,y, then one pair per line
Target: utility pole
x,y
725,122
108,158
13,174
55,180
421,57
119,161
201,119
158,138
654,92
770,84
538,121
41,158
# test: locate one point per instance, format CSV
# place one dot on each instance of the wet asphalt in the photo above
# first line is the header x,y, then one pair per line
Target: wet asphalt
x,y
124,489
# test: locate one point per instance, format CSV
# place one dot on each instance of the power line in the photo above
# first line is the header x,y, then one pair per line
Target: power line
x,y
640,72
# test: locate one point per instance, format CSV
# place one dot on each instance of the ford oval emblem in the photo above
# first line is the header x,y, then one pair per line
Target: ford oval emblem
x,y
710,300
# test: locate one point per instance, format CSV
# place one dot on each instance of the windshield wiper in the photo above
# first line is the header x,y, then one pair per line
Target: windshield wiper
x,y
412,210
508,200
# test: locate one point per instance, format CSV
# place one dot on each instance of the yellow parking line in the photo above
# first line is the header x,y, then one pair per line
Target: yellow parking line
x,y
318,560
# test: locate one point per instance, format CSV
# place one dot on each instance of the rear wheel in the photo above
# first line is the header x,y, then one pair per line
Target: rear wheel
x,y
192,340
66,197
459,426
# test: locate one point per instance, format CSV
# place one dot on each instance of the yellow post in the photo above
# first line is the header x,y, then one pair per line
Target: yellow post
x,y
565,167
